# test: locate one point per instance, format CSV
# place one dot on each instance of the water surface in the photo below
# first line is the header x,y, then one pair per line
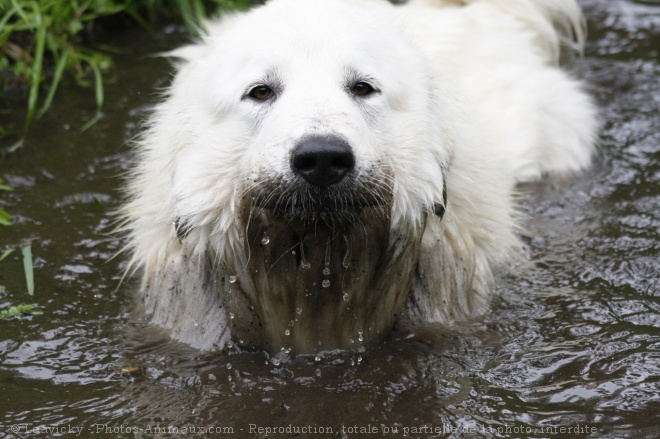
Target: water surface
x,y
572,341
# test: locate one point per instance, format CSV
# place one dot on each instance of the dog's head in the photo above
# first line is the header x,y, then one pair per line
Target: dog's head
x,y
307,108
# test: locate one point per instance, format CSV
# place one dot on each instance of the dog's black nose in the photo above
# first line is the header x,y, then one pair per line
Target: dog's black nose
x,y
322,160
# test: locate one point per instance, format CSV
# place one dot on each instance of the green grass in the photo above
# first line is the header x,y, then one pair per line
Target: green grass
x,y
42,41
18,312
5,218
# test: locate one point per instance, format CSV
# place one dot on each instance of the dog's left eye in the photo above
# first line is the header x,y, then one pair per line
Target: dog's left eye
x,y
362,89
261,93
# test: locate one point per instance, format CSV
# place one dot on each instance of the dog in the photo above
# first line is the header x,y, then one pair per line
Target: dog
x,y
322,170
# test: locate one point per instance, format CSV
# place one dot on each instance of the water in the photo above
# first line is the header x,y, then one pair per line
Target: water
x,y
572,340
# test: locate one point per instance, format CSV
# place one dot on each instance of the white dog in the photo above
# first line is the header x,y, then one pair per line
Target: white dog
x,y
322,169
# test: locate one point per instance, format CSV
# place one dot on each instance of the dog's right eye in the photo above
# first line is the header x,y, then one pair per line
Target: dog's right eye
x,y
261,93
362,89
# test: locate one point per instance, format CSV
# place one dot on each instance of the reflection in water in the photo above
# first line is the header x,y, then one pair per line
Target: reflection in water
x,y
572,339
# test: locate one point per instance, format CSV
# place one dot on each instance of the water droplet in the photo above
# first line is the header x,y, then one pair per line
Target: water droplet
x,y
318,373
232,279
304,263
326,271
265,240
317,358
287,332
276,362
229,366
231,316
298,310
293,253
360,335
325,283
347,257
291,323
195,323
346,296
327,258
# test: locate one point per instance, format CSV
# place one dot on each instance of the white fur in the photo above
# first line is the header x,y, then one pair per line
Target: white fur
x,y
471,98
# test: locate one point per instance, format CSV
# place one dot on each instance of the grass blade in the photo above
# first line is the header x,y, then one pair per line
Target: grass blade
x,y
18,144
27,267
6,29
59,70
19,11
98,84
141,21
189,11
5,218
37,66
6,253
90,123
4,187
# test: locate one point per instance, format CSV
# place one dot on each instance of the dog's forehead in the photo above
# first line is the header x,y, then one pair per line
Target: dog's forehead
x,y
315,30
310,46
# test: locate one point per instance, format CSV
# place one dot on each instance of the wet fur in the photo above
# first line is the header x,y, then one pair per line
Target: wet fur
x,y
471,102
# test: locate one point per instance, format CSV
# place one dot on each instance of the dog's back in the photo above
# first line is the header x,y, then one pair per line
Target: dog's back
x,y
519,117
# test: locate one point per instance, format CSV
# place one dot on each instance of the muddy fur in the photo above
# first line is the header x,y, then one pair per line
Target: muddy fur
x,y
235,244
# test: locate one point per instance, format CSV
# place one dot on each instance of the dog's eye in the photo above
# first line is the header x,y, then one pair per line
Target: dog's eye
x,y
362,89
261,93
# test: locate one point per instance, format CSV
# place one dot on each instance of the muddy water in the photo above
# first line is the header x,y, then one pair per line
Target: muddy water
x,y
572,341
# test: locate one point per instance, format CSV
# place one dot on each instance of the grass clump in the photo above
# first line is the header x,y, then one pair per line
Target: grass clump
x,y
19,312
41,41
23,310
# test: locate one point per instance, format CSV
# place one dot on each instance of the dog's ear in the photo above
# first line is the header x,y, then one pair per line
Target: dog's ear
x,y
439,209
186,54
208,32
